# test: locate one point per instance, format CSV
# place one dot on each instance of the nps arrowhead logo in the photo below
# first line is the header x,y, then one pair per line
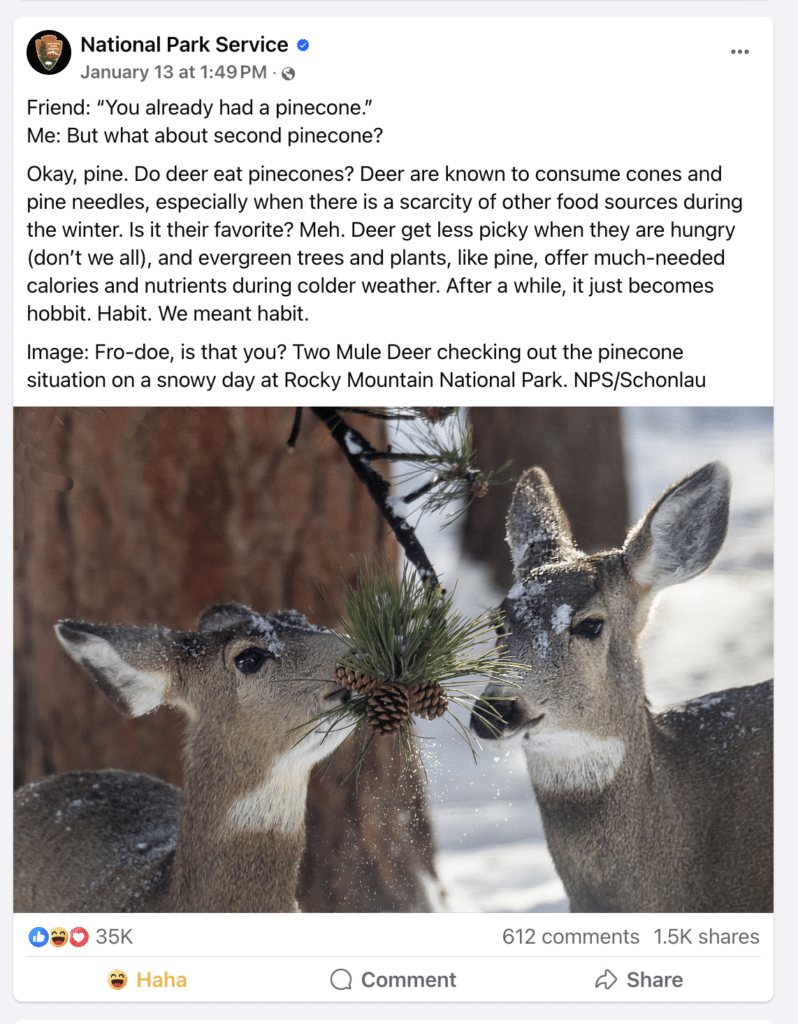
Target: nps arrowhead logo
x,y
48,50
49,53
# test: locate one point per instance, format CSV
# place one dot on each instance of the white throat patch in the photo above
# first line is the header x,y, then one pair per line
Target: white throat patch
x,y
279,801
565,760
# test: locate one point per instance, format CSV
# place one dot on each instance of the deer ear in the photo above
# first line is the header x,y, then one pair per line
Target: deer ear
x,y
224,616
130,665
681,534
538,530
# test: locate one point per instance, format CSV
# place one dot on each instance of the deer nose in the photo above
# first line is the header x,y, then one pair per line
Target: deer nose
x,y
491,719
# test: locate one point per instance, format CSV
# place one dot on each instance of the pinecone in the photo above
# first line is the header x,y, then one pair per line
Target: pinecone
x,y
428,700
359,682
388,708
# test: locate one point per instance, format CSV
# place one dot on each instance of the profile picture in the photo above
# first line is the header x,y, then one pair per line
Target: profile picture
x,y
49,52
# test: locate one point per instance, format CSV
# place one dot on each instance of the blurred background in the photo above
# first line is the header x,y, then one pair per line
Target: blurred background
x,y
150,515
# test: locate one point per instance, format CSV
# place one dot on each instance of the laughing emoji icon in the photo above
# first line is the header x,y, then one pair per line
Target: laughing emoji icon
x,y
59,937
117,980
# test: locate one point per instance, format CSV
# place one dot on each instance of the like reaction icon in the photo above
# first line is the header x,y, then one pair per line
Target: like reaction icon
x,y
38,937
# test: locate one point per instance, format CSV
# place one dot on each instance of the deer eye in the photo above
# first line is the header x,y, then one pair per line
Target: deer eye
x,y
251,659
589,629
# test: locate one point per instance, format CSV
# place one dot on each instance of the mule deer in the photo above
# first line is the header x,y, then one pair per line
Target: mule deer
x,y
107,841
642,811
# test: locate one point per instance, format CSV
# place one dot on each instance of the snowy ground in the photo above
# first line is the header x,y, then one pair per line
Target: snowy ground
x,y
708,634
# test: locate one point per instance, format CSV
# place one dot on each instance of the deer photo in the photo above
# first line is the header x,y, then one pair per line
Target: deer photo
x,y
642,811
251,688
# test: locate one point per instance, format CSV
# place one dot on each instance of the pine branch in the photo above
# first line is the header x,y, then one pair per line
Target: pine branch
x,y
390,456
291,442
433,414
451,458
419,492
359,454
375,414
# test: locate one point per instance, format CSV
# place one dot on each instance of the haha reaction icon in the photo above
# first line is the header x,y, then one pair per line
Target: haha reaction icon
x,y
58,937
117,980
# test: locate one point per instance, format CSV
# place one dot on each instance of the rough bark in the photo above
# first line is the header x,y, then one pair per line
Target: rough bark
x,y
582,452
149,515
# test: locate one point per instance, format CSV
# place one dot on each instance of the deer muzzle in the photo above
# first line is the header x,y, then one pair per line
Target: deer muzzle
x,y
495,718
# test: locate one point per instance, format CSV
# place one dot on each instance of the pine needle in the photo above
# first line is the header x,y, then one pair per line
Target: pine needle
x,y
403,631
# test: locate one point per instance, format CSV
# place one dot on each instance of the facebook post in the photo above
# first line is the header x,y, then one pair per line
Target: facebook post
x,y
487,635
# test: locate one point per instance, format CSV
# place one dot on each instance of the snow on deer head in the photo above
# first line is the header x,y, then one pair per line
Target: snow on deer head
x,y
574,620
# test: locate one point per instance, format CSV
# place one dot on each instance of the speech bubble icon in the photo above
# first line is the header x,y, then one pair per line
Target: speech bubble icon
x,y
341,979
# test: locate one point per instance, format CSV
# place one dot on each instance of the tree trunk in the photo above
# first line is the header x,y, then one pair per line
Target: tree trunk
x,y
148,515
582,452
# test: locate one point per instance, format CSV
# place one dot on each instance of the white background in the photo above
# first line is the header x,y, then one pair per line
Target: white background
x,y
786,36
